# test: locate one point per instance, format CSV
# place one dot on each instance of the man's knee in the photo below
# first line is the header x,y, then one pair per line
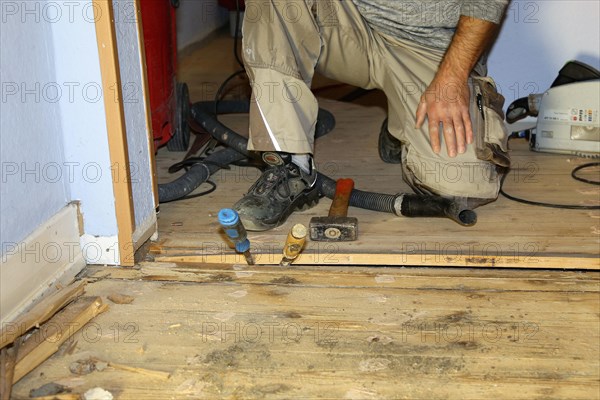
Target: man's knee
x,y
473,183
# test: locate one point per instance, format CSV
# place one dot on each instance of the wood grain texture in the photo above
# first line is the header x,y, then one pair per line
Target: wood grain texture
x,y
46,341
8,356
41,312
232,332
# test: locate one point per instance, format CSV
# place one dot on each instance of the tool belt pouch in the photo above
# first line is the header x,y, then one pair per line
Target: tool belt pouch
x,y
487,117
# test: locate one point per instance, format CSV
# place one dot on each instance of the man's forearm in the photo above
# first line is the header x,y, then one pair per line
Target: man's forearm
x,y
446,101
472,37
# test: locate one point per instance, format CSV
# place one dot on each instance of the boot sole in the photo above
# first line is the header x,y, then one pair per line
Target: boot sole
x,y
303,202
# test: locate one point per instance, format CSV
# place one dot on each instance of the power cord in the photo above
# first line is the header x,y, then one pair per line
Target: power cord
x,y
236,34
584,166
551,205
221,90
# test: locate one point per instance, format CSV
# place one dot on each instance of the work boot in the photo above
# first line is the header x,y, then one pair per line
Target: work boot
x,y
390,148
282,189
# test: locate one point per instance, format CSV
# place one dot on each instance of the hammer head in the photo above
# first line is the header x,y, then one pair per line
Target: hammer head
x,y
333,229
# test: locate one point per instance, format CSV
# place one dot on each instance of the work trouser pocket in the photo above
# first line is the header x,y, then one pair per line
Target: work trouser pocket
x,y
491,135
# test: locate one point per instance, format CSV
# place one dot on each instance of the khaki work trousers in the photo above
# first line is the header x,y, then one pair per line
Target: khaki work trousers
x,y
286,41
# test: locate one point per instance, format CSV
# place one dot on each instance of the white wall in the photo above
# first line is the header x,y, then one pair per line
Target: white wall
x,y
33,186
538,38
196,19
83,117
51,47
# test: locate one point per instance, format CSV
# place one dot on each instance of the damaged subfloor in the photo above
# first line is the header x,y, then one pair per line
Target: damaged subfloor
x,y
197,323
236,332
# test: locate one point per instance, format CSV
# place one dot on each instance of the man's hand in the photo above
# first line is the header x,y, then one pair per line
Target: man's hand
x,y
446,100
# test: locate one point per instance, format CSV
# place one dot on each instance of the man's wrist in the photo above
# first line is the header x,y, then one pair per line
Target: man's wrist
x,y
452,74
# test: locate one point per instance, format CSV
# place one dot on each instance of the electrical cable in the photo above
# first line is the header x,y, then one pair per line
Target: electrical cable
x,y
552,205
207,191
584,166
219,94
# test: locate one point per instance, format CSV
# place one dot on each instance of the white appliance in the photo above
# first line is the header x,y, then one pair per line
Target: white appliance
x,y
568,120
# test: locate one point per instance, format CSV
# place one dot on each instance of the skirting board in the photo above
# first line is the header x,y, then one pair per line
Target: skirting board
x,y
51,256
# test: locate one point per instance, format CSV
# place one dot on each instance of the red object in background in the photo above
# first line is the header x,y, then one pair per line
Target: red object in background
x,y
169,100
230,4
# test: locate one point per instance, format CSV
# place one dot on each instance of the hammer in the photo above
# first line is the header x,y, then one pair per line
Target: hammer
x,y
337,226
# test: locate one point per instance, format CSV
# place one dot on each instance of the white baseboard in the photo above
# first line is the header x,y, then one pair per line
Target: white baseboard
x,y
48,258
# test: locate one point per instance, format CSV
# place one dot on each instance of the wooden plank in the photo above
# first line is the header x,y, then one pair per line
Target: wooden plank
x,y
41,312
143,371
115,124
588,263
469,280
47,340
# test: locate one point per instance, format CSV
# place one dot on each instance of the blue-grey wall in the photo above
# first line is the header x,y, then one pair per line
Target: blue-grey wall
x,y
538,38
83,119
53,139
33,185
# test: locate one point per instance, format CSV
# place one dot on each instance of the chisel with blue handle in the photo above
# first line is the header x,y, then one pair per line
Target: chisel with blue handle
x,y
234,229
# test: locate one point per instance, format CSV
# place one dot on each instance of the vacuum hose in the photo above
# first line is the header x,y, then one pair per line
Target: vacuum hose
x,y
403,204
197,175
236,146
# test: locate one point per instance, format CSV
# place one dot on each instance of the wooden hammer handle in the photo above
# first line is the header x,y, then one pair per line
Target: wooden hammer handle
x,y
341,199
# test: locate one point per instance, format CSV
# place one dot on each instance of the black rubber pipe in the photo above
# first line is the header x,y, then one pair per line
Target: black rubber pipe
x,y
197,175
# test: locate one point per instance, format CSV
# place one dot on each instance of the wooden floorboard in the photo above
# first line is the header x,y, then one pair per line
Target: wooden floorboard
x,y
508,234
235,332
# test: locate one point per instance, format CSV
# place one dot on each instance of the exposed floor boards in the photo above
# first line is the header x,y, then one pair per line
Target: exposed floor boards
x,y
235,332
226,330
